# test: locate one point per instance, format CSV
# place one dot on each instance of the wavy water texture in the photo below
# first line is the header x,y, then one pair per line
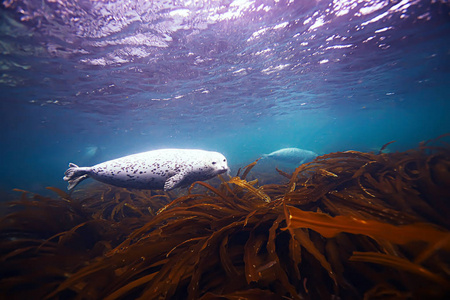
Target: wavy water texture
x,y
142,54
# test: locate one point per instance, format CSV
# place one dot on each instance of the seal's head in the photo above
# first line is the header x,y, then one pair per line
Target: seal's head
x,y
217,163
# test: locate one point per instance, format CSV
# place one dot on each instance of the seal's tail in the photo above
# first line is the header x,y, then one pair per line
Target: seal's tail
x,y
74,175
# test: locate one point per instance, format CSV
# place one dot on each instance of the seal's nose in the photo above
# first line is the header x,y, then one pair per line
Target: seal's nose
x,y
224,169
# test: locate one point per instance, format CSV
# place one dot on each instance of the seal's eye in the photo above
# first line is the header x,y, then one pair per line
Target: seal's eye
x,y
224,160
213,162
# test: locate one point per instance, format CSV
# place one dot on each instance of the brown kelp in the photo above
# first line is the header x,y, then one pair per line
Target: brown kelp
x,y
347,225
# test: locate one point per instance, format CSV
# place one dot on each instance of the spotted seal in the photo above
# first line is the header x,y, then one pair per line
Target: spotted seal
x,y
292,155
158,169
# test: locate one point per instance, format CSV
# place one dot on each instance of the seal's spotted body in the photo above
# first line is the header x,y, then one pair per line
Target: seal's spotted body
x,y
159,169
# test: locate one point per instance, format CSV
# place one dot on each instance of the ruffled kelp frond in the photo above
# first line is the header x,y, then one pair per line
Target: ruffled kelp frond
x,y
398,263
347,225
255,191
329,227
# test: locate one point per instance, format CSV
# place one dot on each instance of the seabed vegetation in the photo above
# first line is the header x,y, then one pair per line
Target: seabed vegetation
x,y
348,225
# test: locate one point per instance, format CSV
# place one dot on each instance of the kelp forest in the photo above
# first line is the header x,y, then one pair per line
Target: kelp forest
x,y
348,225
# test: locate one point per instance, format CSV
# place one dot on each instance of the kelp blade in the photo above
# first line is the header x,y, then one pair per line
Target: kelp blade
x,y
329,227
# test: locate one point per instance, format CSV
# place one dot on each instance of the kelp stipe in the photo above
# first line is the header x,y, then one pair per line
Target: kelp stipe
x,y
348,225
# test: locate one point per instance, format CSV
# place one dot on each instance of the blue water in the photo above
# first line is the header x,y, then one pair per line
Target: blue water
x,y
87,81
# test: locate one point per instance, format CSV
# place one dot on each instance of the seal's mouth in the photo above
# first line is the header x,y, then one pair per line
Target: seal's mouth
x,y
227,170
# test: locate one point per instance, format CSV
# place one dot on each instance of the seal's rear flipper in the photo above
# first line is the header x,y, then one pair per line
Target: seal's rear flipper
x,y
74,175
73,183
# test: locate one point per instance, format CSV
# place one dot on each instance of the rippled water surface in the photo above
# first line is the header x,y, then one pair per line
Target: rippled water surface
x,y
86,81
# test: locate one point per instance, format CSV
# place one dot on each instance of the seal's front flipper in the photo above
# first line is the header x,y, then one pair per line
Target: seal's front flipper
x,y
74,175
174,181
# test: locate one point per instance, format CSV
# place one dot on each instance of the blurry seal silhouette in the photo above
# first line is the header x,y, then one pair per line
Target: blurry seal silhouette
x,y
158,169
292,155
